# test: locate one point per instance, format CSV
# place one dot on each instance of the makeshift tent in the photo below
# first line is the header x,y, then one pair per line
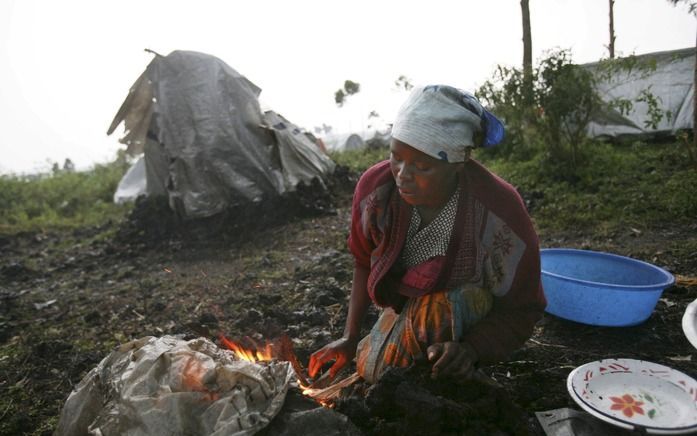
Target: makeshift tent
x,y
668,76
358,140
354,142
207,145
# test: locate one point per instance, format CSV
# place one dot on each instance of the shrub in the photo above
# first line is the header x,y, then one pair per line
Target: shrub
x,y
564,100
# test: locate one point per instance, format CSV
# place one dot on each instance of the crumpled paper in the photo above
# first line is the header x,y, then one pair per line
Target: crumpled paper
x,y
169,386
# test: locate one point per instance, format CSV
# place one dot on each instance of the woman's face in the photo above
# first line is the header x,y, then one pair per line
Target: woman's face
x,y
421,179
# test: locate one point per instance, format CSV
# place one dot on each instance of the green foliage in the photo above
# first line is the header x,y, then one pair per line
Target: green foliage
x,y
505,94
565,94
360,160
64,198
629,185
403,82
690,146
554,117
350,88
553,121
339,97
655,114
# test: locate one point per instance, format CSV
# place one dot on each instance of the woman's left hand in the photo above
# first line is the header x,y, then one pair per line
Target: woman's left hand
x,y
454,359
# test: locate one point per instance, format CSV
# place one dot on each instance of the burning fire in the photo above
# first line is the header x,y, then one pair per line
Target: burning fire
x,y
281,349
257,354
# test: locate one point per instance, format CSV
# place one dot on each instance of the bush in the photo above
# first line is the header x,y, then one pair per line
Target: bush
x,y
552,121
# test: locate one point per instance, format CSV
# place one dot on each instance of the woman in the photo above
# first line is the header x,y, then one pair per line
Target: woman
x,y
446,247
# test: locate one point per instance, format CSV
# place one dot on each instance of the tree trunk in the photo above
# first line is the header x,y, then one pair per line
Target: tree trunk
x,y
527,52
612,30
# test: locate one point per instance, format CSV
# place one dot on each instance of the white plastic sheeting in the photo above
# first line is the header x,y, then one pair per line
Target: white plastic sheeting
x,y
671,82
132,184
168,386
216,147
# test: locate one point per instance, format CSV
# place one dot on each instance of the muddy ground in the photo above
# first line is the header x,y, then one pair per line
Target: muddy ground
x,y
67,298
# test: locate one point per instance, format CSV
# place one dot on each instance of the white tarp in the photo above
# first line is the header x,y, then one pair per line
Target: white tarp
x,y
170,387
671,82
357,140
207,144
132,184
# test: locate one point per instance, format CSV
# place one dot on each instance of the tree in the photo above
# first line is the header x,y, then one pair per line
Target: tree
x,y
693,10
611,47
350,88
527,53
403,82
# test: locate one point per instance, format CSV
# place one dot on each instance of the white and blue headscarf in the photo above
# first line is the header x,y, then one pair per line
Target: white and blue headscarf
x,y
441,121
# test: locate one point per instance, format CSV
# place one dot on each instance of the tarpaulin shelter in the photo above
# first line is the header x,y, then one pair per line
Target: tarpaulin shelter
x,y
667,75
207,144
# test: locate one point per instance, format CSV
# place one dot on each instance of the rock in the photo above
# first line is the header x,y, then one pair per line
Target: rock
x,y
302,416
253,315
325,298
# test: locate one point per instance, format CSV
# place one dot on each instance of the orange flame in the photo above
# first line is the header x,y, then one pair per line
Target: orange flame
x,y
257,354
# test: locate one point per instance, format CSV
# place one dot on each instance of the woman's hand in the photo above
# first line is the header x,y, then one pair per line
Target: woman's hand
x,y
455,359
341,351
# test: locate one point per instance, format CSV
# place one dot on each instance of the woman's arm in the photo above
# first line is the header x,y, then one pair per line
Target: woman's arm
x,y
343,350
358,304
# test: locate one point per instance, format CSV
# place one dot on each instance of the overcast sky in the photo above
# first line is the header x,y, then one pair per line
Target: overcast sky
x,y
66,66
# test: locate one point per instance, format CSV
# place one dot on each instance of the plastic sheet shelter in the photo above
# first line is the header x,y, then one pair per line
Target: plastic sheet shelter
x,y
668,75
207,145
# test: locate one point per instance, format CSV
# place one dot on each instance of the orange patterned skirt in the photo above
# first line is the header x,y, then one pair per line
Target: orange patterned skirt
x,y
400,339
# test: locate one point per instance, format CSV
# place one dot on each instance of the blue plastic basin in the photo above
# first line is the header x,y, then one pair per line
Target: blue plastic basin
x,y
601,288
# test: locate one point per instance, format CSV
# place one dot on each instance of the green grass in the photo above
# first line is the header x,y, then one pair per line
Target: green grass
x,y
618,185
63,199
615,185
360,160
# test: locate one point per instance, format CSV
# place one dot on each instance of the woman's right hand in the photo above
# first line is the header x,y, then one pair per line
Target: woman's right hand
x,y
341,351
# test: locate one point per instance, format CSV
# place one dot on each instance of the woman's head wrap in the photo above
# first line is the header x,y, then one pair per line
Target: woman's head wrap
x,y
441,121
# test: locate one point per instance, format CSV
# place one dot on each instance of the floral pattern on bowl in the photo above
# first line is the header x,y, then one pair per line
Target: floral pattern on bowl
x,y
636,394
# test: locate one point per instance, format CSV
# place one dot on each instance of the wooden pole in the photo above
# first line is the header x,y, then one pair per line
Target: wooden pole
x,y
612,30
527,51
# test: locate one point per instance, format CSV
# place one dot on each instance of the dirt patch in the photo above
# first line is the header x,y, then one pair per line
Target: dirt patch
x,y
407,400
67,298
